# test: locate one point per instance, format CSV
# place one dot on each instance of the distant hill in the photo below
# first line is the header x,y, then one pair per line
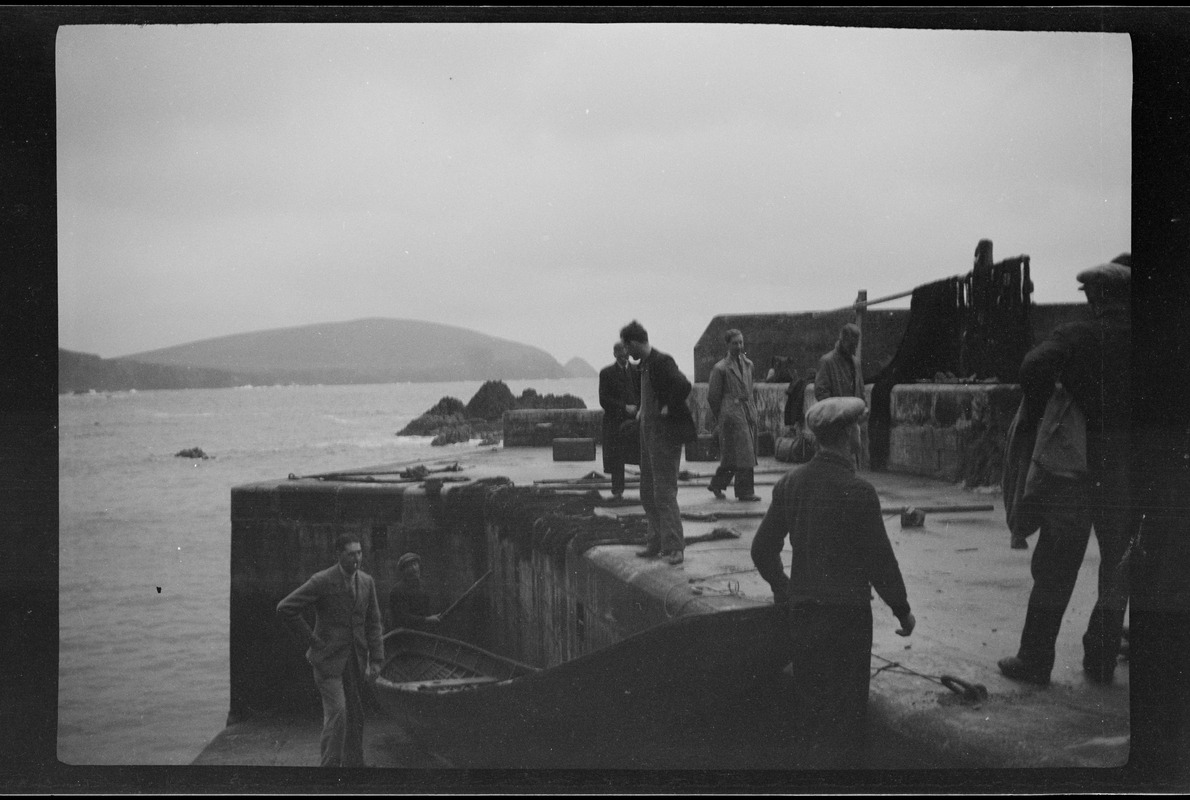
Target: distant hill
x,y
81,372
363,351
578,368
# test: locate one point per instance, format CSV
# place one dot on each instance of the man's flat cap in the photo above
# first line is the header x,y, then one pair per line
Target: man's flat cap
x,y
1115,273
834,411
408,558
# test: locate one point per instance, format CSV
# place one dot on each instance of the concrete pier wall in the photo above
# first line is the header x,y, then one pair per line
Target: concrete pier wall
x,y
282,532
540,426
544,603
550,603
951,432
804,337
770,406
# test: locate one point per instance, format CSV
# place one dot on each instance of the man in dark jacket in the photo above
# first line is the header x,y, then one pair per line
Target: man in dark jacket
x,y
344,647
409,602
840,551
841,375
619,396
1092,360
666,424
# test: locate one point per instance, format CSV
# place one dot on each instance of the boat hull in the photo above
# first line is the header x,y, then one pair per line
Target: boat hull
x,y
700,692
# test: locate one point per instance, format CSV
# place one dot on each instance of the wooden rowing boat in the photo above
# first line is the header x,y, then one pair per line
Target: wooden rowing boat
x,y
699,692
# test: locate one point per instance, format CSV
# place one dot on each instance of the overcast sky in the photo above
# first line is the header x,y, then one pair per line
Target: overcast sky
x,y
547,183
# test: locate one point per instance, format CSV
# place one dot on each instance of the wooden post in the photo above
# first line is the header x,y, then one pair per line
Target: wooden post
x,y
861,308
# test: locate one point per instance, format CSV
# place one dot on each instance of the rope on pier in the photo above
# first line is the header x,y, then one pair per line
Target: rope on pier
x,y
971,692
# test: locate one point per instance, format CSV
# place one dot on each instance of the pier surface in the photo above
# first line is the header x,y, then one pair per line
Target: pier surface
x,y
967,587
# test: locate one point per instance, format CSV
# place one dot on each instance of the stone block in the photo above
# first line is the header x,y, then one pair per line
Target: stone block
x,y
574,449
363,502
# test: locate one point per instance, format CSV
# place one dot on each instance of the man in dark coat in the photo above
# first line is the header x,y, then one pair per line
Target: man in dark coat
x,y
619,396
840,551
1092,360
666,424
409,602
841,375
729,395
345,646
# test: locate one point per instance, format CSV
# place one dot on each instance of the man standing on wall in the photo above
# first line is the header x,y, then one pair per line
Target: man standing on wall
x,y
345,646
729,394
666,424
840,375
619,396
840,552
1092,360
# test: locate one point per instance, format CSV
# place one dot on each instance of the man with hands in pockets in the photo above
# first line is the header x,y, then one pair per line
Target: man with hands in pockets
x,y
345,647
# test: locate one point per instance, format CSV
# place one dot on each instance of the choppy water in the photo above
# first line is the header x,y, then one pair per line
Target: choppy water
x,y
144,540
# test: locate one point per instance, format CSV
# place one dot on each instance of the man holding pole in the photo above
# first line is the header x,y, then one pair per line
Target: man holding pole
x,y
409,602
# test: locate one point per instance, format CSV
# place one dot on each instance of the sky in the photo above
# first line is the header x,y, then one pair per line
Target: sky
x,y
547,183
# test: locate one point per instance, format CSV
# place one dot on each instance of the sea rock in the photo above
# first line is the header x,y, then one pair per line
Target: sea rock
x,y
193,452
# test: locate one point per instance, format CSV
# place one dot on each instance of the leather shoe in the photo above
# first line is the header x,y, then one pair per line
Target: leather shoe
x,y
749,499
1017,669
676,557
649,552
717,492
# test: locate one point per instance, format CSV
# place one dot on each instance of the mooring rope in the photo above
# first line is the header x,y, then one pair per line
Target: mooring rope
x,y
975,692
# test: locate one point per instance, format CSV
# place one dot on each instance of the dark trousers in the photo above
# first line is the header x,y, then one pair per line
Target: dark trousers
x,y
659,462
744,480
616,468
832,651
1099,502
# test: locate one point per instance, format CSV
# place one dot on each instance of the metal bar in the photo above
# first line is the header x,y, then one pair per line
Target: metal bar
x,y
864,304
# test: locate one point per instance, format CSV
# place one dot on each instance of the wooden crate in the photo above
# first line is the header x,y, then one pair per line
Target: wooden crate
x,y
574,449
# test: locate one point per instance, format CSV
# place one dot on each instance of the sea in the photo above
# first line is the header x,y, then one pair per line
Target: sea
x,y
145,538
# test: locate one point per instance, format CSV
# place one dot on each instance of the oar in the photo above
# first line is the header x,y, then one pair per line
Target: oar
x,y
464,595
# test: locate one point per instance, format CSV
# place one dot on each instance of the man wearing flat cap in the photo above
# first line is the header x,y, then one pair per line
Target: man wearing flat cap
x,y
840,552
1092,361
409,602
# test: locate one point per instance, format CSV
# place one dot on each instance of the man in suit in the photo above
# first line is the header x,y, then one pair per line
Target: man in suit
x,y
729,394
666,424
619,396
344,647
840,375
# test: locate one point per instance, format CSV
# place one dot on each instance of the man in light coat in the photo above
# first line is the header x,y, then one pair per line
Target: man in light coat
x,y
729,394
345,645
